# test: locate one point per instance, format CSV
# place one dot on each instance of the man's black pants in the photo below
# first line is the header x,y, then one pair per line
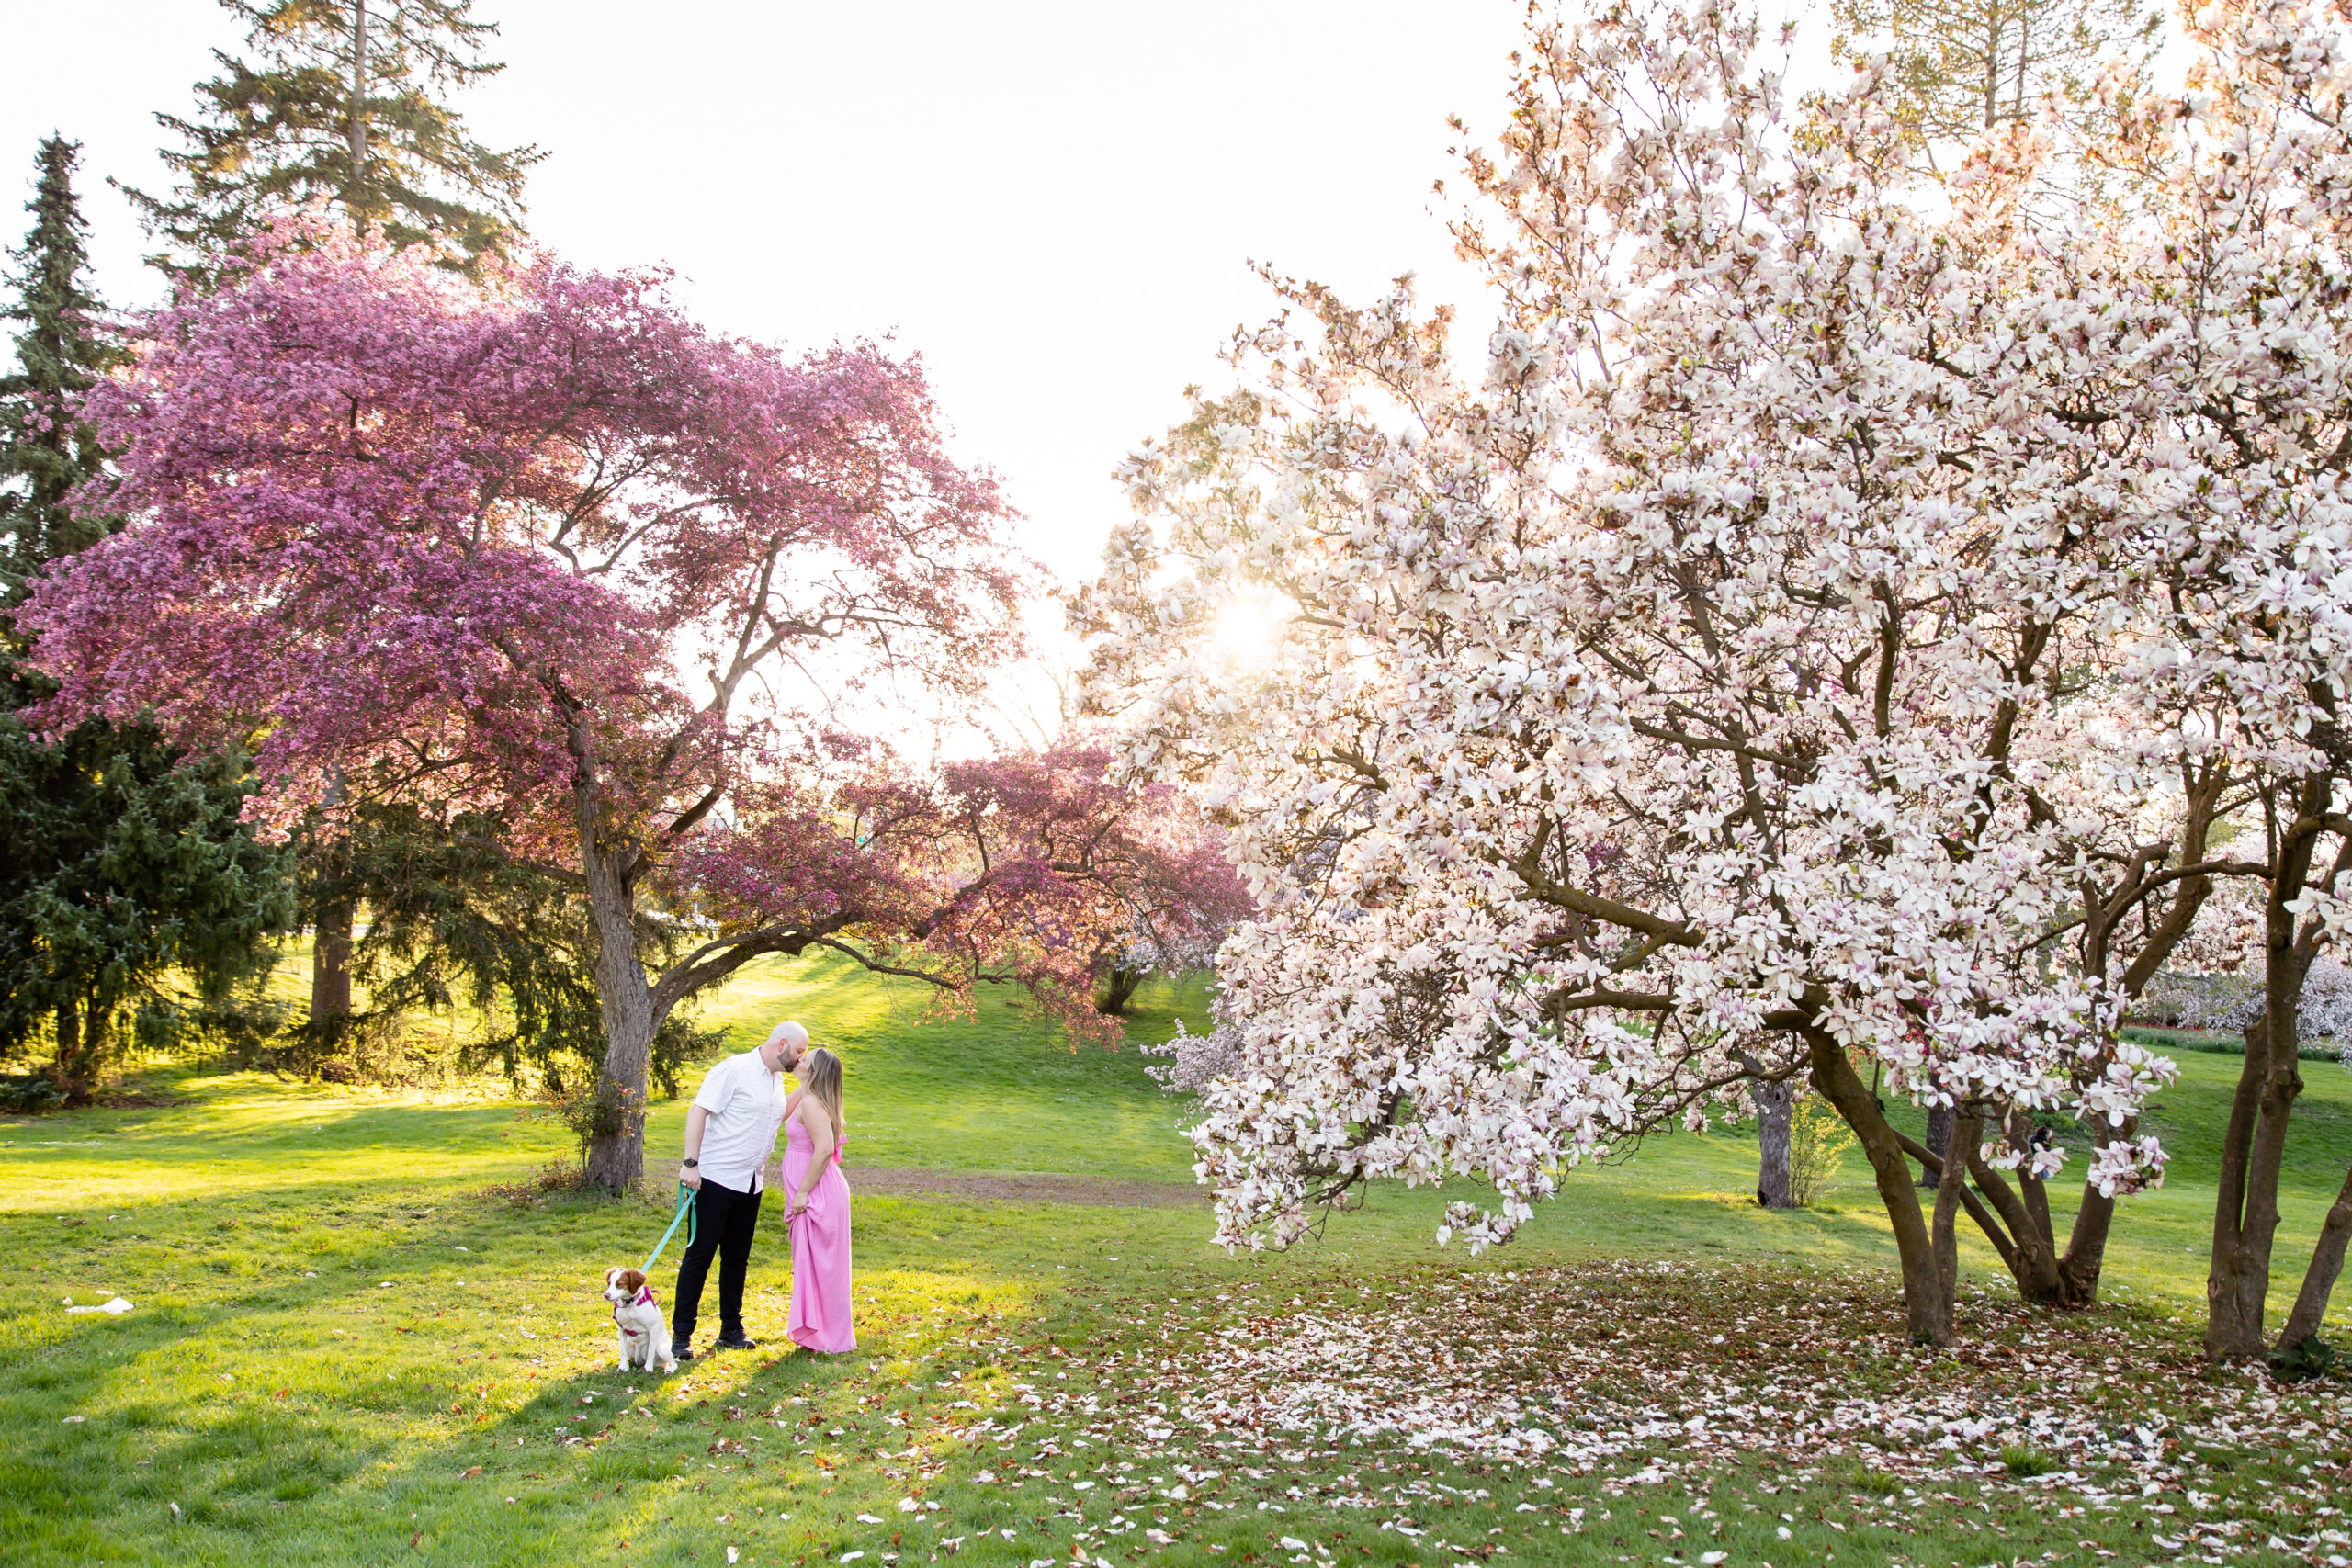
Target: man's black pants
x,y
724,1220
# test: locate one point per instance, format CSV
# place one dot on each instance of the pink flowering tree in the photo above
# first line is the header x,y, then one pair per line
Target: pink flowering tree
x,y
542,543
1713,680
1028,867
1138,877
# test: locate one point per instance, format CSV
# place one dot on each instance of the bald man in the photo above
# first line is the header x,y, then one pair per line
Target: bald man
x,y
730,1138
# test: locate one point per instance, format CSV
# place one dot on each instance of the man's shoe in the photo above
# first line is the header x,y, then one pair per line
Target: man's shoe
x,y
682,1351
736,1341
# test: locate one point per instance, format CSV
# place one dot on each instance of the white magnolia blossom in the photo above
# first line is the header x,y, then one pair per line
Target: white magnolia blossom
x,y
1744,660
1195,1061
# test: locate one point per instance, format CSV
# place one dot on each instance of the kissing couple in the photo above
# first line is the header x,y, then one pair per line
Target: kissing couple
x,y
727,1161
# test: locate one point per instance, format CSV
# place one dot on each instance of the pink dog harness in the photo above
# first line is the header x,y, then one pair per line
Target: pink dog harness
x,y
644,1298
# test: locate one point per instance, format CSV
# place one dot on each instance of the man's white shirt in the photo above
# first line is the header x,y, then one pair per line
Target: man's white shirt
x,y
745,1102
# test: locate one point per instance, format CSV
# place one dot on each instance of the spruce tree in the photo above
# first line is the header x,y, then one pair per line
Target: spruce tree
x,y
343,100
63,347
134,902
137,910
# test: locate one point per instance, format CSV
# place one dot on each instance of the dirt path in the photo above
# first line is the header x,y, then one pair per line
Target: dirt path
x,y
1022,1186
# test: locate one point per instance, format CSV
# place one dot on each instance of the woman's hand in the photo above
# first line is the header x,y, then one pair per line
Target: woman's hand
x,y
691,1176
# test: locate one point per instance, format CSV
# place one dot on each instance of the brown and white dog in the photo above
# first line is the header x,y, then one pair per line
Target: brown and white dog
x,y
637,1318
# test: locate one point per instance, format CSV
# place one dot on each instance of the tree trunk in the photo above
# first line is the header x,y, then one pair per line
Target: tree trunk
x,y
355,130
2085,1259
71,1071
1944,1230
2254,1144
331,972
1775,1103
2040,1272
617,1143
2319,1279
1938,1138
2245,1218
1118,989
1925,1302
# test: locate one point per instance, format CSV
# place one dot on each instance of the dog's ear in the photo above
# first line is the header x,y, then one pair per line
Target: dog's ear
x,y
630,1280
611,1275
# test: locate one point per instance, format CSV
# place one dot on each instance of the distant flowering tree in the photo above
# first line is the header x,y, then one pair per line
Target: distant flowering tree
x,y
1029,867
539,545
1716,684
1195,1061
1148,887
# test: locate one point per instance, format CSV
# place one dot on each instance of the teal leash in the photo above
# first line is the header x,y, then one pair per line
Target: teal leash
x,y
685,1208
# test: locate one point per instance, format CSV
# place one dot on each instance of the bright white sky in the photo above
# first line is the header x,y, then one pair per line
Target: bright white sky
x,y
1054,203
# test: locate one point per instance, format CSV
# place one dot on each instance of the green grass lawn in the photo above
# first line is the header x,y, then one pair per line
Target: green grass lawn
x,y
345,1349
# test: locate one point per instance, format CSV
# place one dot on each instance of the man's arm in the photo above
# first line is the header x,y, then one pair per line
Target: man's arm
x,y
692,1148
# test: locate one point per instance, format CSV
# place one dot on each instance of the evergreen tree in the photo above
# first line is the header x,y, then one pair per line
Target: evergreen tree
x,y
45,450
1963,66
135,906
133,900
342,101
458,921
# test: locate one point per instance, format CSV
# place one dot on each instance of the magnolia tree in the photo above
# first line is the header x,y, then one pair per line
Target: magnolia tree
x,y
2220,301
541,544
1715,681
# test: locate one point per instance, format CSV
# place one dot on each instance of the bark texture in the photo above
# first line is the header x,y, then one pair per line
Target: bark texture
x,y
1927,1304
617,1145
330,971
1951,1183
2327,1266
1938,1138
1775,1103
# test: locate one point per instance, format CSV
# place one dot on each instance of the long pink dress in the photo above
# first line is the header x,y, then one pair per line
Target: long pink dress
x,y
819,1317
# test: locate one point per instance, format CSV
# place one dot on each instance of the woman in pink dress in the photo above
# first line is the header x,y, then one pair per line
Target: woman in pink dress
x,y
819,1218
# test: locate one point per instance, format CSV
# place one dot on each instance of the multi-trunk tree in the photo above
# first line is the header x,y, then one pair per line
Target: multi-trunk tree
x,y
1745,674
542,548
2237,320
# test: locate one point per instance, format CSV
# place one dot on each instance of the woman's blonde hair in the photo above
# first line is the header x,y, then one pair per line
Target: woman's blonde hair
x,y
820,1079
